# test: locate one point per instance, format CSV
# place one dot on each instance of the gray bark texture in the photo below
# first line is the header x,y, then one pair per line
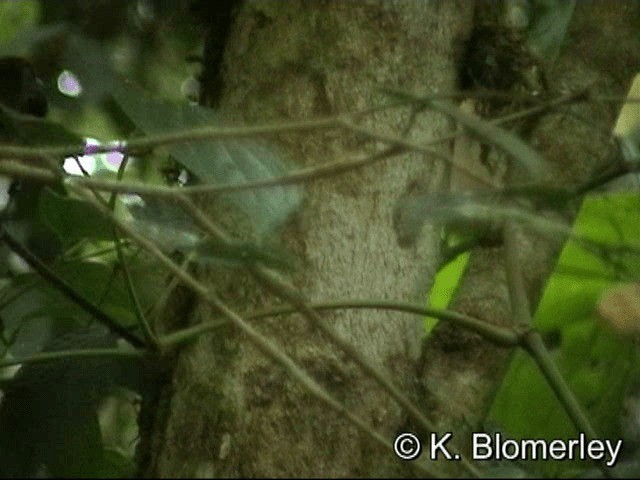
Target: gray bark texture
x,y
229,410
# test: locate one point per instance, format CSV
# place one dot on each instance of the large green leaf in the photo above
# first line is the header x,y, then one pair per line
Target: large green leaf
x,y
597,364
171,228
548,24
99,284
216,162
42,305
30,130
72,219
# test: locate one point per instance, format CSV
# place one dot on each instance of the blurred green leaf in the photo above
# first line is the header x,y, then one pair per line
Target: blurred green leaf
x,y
50,409
548,24
243,254
444,286
72,219
15,16
30,130
597,364
172,230
116,465
89,61
216,162
97,283
94,281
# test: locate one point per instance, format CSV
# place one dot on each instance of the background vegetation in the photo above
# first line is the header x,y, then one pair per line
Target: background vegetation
x,y
130,70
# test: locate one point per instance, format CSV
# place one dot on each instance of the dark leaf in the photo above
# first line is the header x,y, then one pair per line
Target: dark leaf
x,y
169,227
548,24
216,162
72,219
30,130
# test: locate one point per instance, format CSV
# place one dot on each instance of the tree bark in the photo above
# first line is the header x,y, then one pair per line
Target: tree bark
x,y
229,410
232,412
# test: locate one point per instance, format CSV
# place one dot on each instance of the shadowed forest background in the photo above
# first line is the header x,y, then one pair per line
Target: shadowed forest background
x,y
261,238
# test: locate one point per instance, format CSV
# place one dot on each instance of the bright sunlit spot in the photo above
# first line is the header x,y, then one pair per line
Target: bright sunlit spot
x,y
69,84
80,166
88,164
112,161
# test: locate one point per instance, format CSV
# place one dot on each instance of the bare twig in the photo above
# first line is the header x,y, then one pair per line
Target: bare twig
x,y
44,357
149,335
498,335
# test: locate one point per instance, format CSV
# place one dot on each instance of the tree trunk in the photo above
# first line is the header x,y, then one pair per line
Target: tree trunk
x,y
233,412
229,410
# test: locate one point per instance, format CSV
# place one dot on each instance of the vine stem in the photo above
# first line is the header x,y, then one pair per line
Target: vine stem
x,y
269,348
531,340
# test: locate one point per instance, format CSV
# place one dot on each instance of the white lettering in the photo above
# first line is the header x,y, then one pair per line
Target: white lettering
x,y
535,446
613,453
439,445
494,447
504,449
481,440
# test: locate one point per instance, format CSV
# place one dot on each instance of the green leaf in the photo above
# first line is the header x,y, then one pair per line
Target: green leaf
x,y
94,281
172,230
444,286
72,219
15,16
97,283
164,223
548,25
116,465
597,364
216,162
35,131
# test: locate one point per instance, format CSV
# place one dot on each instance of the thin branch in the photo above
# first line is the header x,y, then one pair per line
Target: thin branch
x,y
534,345
18,170
159,306
13,296
276,353
290,294
531,340
423,148
401,145
270,349
275,128
580,95
302,175
44,357
539,223
520,308
197,134
287,292
149,336
498,335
